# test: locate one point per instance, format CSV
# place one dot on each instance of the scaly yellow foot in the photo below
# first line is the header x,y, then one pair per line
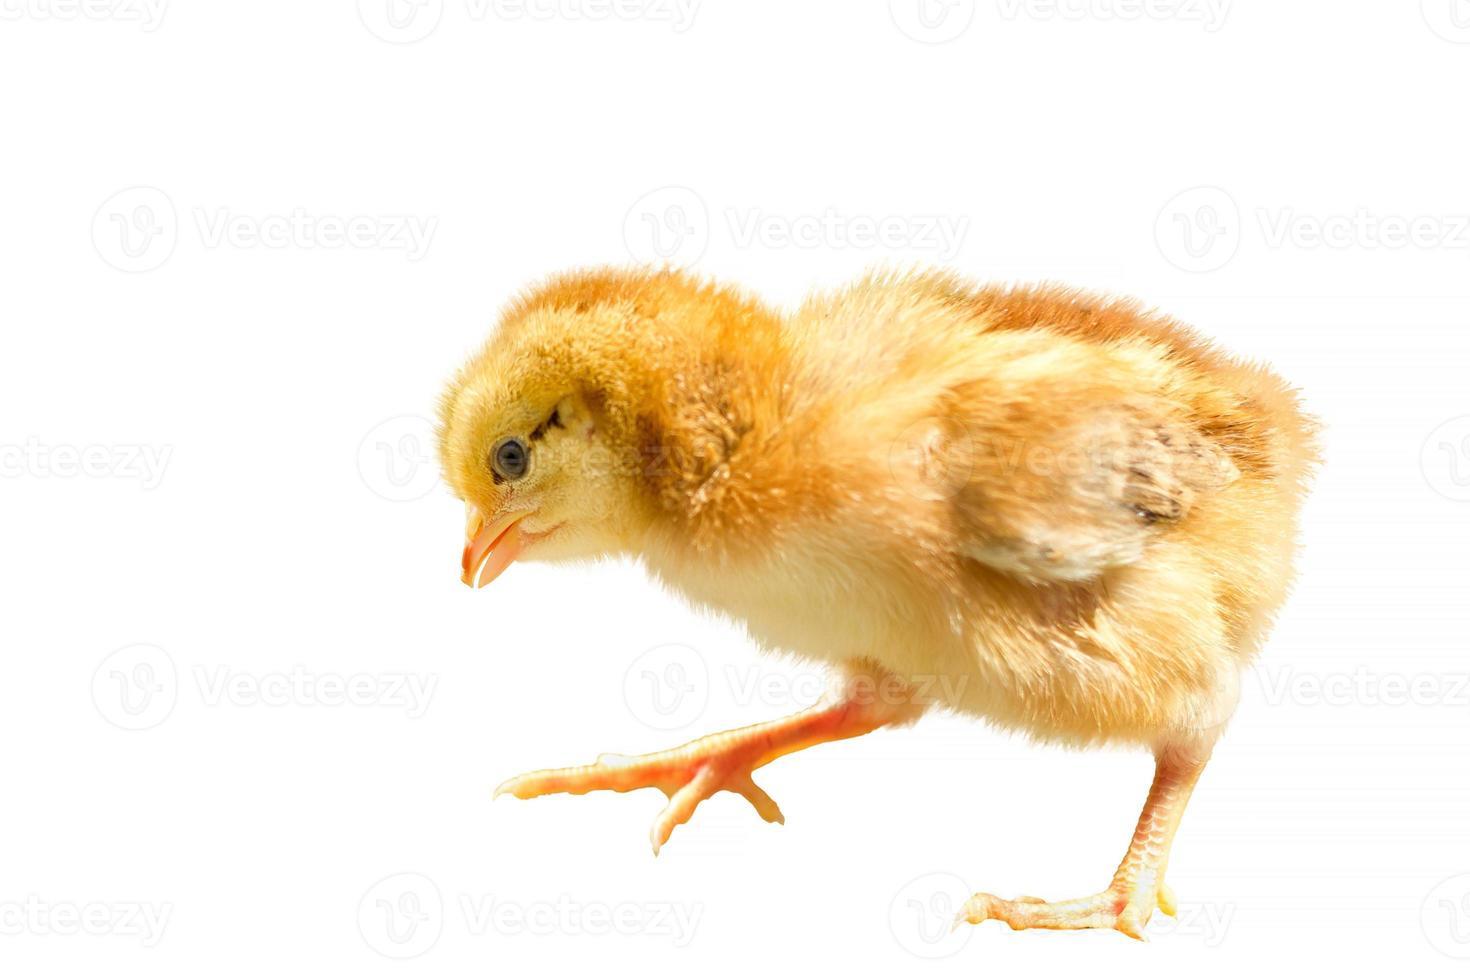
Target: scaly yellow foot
x,y
1137,888
1119,907
692,773
688,775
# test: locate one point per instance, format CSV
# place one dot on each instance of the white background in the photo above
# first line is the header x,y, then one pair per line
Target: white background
x,y
215,446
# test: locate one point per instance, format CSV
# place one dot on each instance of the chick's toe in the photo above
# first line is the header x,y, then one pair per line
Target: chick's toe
x,y
692,773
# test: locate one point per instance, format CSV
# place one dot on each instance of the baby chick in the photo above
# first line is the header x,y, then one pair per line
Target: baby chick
x,y
1056,512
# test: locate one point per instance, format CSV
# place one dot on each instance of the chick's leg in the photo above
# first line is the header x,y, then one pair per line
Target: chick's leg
x,y
1137,888
695,771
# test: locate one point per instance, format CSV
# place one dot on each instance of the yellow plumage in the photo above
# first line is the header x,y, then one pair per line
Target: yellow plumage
x,y
1076,515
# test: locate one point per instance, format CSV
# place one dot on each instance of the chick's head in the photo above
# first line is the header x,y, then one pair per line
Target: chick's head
x,y
525,440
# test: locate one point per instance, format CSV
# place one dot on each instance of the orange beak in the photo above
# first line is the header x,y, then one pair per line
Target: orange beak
x,y
489,548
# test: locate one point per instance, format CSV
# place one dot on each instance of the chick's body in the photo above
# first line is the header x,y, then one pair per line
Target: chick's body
x,y
1056,512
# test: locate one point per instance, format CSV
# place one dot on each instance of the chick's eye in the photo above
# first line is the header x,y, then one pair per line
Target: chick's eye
x,y
510,459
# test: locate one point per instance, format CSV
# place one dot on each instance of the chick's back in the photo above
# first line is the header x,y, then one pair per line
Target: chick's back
x,y
1080,515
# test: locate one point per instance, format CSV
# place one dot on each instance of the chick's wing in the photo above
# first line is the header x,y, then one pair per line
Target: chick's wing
x,y
1063,488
